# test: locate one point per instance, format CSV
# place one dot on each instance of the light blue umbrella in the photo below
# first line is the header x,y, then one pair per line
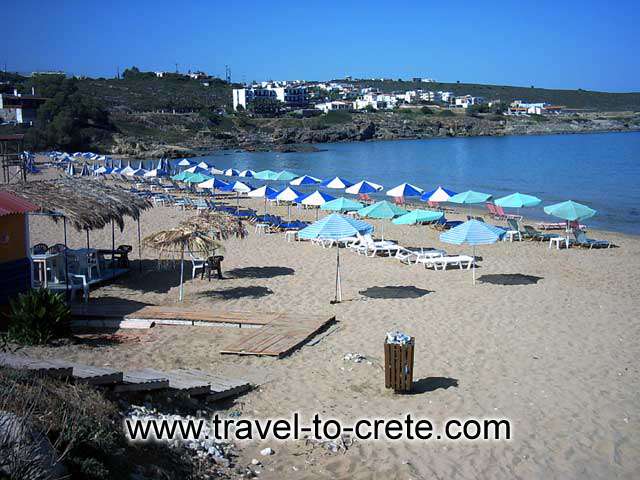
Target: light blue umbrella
x,y
570,211
383,209
518,200
266,175
469,198
342,205
305,180
337,183
473,232
335,227
417,216
285,176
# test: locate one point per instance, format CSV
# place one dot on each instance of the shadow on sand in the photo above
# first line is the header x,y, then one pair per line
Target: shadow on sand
x,y
259,272
429,384
395,291
238,292
509,279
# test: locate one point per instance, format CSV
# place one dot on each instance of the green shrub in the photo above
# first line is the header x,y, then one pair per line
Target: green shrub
x,y
446,113
426,111
37,317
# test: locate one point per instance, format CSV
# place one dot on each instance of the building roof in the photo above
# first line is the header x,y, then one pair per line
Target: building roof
x,y
11,204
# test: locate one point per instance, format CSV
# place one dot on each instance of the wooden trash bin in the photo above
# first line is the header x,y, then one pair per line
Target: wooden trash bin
x,y
398,366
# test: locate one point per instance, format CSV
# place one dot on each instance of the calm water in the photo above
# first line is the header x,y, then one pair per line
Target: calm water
x,y
599,170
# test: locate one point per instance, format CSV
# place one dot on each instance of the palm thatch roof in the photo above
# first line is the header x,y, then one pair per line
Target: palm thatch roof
x,y
88,203
199,234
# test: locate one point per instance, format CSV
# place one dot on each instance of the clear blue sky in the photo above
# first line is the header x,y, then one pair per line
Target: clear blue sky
x,y
559,44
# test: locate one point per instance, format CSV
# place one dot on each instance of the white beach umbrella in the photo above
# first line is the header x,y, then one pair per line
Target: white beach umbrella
x,y
203,165
247,173
215,171
262,192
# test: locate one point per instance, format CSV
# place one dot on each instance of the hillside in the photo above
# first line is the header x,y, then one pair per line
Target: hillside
x,y
579,99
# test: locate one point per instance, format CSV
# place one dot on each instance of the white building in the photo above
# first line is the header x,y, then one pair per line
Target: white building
x,y
334,105
467,100
293,96
445,97
519,107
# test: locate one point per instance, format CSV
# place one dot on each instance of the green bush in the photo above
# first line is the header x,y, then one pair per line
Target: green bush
x,y
37,317
446,113
426,111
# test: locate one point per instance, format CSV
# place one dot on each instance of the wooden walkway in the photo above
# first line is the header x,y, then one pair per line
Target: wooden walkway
x,y
273,334
189,382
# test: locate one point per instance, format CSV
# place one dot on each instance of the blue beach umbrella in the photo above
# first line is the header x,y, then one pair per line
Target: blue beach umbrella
x,y
437,195
335,227
405,190
518,200
71,169
473,232
363,187
287,194
263,192
417,216
316,199
239,188
305,180
85,172
231,172
197,169
342,205
247,173
336,183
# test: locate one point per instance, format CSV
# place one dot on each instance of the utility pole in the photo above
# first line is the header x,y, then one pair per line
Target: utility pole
x,y
176,67
227,73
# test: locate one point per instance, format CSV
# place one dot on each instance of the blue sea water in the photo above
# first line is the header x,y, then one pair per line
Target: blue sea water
x,y
599,170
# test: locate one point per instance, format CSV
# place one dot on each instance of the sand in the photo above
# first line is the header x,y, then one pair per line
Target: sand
x,y
557,355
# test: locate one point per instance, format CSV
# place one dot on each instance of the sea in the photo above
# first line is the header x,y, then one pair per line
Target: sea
x,y
600,170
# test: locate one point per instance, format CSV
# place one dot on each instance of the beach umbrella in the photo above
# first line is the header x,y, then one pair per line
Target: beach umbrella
x,y
472,232
204,165
156,172
417,216
469,198
439,194
102,171
184,163
316,199
85,172
342,205
570,211
518,200
263,192
405,190
215,171
289,195
181,177
363,188
212,184
127,171
138,172
231,172
196,178
160,165
239,188
285,176
119,166
71,169
266,175
337,183
335,227
196,169
381,210
305,180
247,173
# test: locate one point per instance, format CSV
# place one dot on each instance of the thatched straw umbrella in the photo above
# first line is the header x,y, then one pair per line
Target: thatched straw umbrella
x,y
201,233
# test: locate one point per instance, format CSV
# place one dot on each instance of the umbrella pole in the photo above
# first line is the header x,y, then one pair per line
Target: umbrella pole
x,y
181,273
338,297
474,265
289,213
237,201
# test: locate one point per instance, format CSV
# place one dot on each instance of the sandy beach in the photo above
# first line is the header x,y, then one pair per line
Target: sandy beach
x,y
547,338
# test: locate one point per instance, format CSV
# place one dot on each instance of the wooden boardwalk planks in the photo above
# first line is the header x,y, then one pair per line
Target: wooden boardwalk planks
x,y
278,338
275,333
142,380
45,367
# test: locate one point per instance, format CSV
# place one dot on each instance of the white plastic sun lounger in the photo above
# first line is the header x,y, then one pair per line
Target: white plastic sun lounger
x,y
445,261
408,256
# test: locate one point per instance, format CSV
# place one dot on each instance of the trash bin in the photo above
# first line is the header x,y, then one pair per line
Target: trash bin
x,y
398,365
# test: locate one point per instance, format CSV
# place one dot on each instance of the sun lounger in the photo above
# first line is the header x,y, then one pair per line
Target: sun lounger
x,y
533,234
513,231
367,245
583,241
445,261
406,255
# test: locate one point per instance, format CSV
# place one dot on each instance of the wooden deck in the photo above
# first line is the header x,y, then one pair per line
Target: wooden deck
x,y
273,334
